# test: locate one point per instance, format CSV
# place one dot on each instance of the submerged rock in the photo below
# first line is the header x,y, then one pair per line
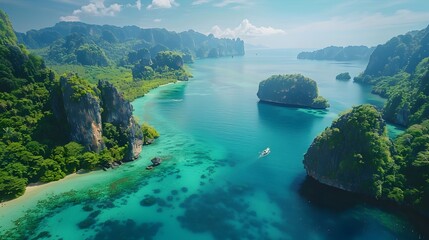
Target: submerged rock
x,y
156,161
148,201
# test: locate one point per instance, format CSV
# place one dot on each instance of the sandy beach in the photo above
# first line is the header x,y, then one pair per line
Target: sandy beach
x,y
34,190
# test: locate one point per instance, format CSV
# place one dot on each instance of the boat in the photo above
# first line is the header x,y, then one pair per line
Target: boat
x,y
265,152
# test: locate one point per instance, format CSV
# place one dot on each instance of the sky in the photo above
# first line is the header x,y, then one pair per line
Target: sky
x,y
275,23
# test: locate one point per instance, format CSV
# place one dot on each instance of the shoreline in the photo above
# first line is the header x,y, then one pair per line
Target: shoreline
x,y
34,189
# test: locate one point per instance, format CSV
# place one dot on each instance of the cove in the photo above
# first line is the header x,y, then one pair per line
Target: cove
x,y
211,184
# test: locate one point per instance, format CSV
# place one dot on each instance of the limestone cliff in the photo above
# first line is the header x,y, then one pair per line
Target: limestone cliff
x,y
86,108
82,113
118,111
352,153
292,90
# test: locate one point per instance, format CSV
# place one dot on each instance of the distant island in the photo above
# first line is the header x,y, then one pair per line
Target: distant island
x,y
291,90
339,53
343,76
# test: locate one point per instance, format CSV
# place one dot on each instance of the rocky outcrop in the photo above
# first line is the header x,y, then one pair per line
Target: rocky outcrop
x,y
352,153
86,108
118,112
292,90
83,116
343,76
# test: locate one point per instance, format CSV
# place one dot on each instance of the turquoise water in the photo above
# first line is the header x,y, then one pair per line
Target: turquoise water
x,y
211,184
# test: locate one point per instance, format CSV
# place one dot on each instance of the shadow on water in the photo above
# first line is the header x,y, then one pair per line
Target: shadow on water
x,y
356,213
281,116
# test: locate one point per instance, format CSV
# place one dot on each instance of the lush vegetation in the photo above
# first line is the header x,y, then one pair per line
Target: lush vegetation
x,y
149,133
372,165
291,89
399,72
412,160
120,77
339,53
34,138
401,53
75,42
359,166
167,64
343,76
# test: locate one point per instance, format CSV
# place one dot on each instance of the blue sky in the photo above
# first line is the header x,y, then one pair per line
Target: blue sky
x,y
275,23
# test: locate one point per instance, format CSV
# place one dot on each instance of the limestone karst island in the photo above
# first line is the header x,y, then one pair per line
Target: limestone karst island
x,y
201,119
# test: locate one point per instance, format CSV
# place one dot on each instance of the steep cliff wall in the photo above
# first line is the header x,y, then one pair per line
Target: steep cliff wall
x,y
352,153
82,112
87,108
118,111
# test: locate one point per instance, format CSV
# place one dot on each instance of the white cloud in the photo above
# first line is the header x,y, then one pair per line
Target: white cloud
x,y
198,2
139,5
245,29
224,3
94,8
71,18
162,4
157,20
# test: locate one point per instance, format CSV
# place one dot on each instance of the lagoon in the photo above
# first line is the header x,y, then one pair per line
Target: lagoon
x,y
211,184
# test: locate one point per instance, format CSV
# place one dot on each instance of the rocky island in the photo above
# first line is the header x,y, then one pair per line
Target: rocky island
x,y
291,90
343,76
356,155
334,161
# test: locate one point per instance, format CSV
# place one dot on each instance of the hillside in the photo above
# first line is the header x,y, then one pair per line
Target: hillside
x,y
401,53
398,70
339,53
63,42
53,126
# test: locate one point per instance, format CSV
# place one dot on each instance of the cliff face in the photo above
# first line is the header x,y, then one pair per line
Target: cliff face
x,y
401,53
82,106
83,116
293,90
118,112
352,153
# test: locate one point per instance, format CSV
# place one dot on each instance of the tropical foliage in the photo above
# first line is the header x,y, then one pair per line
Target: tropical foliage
x,y
34,141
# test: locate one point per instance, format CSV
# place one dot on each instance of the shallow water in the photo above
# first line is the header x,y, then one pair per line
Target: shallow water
x,y
211,184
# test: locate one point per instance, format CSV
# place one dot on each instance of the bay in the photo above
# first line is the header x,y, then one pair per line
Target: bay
x,y
211,184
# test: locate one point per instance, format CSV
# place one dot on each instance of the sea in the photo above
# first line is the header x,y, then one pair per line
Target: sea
x,y
211,183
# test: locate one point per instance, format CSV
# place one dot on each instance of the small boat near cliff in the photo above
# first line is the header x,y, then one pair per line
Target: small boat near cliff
x,y
265,152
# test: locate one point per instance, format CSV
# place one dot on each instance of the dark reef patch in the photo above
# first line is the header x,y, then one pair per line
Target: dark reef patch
x,y
128,229
219,211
